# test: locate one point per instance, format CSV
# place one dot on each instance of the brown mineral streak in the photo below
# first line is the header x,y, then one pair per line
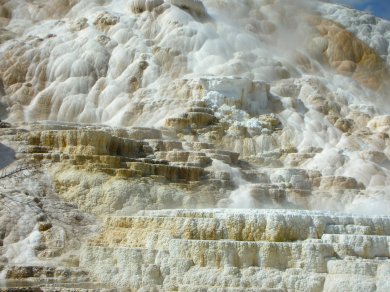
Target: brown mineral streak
x,y
350,56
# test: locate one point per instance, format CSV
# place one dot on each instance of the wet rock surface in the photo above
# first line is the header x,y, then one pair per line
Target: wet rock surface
x,y
113,110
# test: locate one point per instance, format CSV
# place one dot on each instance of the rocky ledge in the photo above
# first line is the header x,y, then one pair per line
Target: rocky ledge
x,y
242,250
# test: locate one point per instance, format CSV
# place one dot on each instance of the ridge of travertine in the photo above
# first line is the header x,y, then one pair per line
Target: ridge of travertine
x,y
317,105
188,250
83,159
252,104
370,29
168,170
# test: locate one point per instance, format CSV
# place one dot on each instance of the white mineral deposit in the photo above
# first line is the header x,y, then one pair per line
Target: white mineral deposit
x,y
188,145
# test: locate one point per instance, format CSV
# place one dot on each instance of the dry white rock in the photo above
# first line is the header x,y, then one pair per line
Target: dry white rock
x,y
183,249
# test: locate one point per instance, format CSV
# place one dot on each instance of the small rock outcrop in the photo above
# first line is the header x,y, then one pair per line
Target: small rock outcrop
x,y
139,6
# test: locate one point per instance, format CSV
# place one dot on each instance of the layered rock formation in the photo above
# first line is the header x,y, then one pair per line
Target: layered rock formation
x,y
107,170
236,250
116,109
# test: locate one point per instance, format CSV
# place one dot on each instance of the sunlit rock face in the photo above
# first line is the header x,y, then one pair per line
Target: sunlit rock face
x,y
188,250
125,106
350,56
115,62
371,30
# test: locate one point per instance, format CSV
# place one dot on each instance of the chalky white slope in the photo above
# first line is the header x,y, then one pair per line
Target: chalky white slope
x,y
139,63
296,89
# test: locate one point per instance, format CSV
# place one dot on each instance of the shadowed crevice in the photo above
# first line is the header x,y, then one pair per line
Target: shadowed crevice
x,y
7,156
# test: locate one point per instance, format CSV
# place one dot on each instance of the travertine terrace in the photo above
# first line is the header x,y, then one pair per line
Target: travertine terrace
x,y
236,250
187,145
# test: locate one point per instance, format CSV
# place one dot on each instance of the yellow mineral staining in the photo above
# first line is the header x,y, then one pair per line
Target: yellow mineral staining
x,y
105,20
261,243
345,53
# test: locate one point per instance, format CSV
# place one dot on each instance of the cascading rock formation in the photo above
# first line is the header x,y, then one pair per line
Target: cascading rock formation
x,y
187,145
